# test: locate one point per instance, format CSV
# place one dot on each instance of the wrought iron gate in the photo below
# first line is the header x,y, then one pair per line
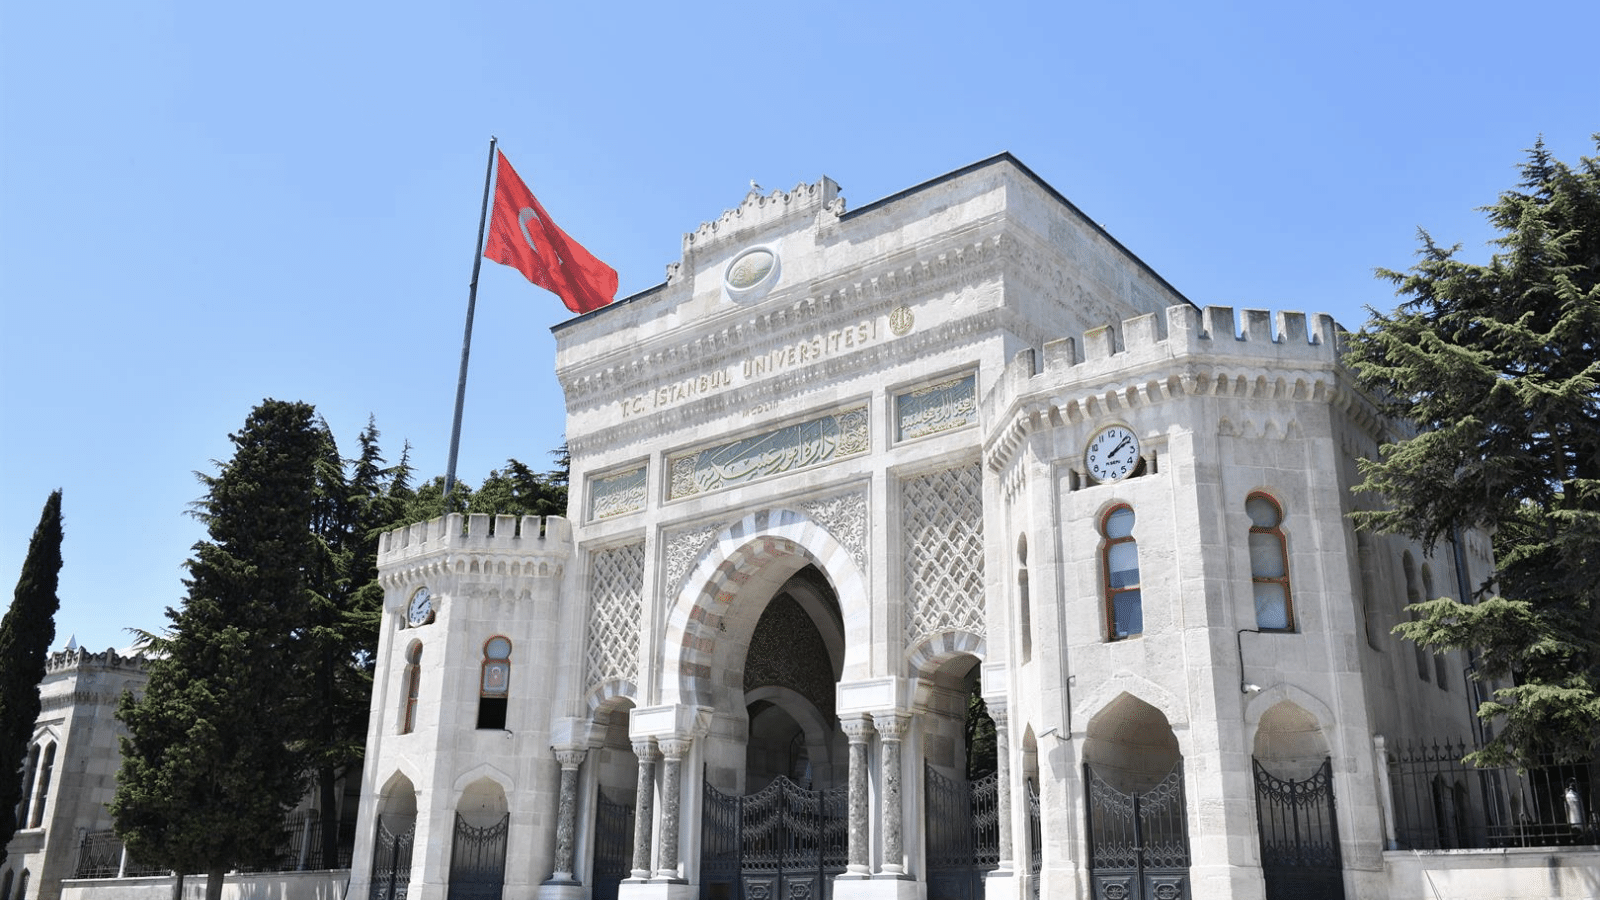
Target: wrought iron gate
x,y
1035,841
1138,842
613,846
478,860
781,843
391,862
1299,835
963,828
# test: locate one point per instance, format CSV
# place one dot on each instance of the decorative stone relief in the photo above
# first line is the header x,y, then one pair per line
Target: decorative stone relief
x,y
937,407
787,651
616,589
789,449
616,494
942,530
683,551
845,517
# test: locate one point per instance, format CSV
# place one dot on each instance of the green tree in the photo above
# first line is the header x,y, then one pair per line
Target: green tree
x,y
519,491
1498,366
25,635
207,772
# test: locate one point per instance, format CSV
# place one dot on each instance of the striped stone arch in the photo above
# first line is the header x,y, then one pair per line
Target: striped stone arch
x,y
610,693
733,557
926,656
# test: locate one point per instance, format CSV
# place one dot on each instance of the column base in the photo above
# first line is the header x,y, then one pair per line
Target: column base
x,y
657,890
1002,883
561,890
878,888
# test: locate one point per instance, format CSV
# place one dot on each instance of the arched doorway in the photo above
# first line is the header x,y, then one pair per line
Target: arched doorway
x,y
1137,816
1295,814
478,846
616,789
960,783
773,820
392,845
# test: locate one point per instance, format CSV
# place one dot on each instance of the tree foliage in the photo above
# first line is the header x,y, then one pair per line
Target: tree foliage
x,y
25,635
208,769
1498,365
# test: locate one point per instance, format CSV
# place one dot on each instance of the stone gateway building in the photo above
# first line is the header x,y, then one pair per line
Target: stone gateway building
x,y
844,474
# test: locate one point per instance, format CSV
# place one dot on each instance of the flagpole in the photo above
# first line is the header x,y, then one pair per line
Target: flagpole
x,y
466,338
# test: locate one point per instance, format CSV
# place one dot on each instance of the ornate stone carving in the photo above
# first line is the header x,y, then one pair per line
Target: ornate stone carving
x,y
942,530
787,651
789,449
845,517
616,579
684,549
938,407
617,494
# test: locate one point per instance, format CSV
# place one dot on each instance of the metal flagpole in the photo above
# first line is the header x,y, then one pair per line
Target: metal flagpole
x,y
466,339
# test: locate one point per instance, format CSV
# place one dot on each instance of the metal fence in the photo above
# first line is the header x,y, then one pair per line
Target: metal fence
x,y
100,853
1441,803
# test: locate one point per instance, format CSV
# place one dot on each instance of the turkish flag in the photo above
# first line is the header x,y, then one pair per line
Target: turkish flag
x,y
522,236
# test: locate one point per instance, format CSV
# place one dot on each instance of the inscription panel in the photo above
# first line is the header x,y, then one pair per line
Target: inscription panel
x,y
617,493
792,448
949,404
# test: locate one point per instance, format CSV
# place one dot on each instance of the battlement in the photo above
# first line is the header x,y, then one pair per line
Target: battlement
x,y
759,209
79,658
531,536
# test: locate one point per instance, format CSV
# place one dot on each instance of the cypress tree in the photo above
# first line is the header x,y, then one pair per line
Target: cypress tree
x,y
208,769
25,635
1499,367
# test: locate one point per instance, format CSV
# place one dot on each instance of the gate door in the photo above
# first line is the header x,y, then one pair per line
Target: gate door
x,y
781,843
613,846
391,862
963,829
478,860
1299,836
1138,842
1035,841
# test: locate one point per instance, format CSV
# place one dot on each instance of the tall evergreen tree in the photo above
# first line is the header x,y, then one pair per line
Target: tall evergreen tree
x,y
207,772
25,635
1499,367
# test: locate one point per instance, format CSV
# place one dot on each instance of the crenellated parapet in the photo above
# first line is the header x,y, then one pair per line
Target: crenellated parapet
x,y
1187,352
759,209
526,546
107,660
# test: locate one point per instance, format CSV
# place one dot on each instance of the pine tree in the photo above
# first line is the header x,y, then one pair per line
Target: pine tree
x,y
208,770
25,635
1499,367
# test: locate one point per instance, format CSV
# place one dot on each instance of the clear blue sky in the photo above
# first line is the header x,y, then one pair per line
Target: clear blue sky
x,y
206,204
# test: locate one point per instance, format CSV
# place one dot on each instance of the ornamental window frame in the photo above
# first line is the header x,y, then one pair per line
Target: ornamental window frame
x,y
1274,534
413,688
1113,592
494,683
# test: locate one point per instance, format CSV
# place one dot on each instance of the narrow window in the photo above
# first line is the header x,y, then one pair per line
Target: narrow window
x,y
1120,559
5,886
1441,663
1269,564
22,885
408,717
496,685
29,770
1414,595
1024,610
44,785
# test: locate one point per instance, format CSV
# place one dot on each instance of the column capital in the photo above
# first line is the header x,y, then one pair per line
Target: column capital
x,y
892,725
646,750
857,728
674,748
570,757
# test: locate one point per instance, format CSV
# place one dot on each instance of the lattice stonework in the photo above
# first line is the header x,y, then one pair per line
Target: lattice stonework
x,y
942,529
616,589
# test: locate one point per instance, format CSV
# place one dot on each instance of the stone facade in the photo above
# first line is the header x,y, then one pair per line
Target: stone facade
x,y
838,469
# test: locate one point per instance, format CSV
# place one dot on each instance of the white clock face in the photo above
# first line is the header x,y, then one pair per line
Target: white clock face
x,y
1112,454
421,607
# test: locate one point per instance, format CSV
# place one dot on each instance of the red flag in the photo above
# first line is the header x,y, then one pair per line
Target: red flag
x,y
522,236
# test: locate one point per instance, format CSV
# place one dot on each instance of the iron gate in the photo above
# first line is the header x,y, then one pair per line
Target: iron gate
x,y
391,862
963,829
1299,835
1035,841
478,860
781,843
1138,842
613,846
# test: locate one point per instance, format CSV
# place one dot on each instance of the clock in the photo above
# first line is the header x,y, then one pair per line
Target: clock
x,y
1112,453
420,612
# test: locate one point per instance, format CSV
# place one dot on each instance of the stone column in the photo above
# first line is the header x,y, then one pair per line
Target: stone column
x,y
644,807
891,728
1385,792
673,750
1003,788
858,729
567,814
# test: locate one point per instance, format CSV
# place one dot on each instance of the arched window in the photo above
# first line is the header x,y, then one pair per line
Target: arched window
x,y
1120,563
496,683
43,792
1441,663
1269,564
1024,609
22,885
29,770
5,886
1414,595
408,716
